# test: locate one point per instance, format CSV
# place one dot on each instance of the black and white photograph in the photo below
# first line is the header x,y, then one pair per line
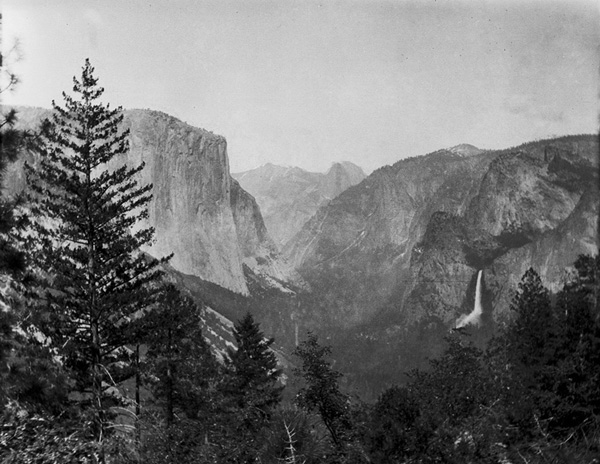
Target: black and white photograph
x,y
302,232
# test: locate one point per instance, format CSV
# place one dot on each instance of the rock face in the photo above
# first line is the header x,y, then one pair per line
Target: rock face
x,y
407,243
357,249
201,215
290,196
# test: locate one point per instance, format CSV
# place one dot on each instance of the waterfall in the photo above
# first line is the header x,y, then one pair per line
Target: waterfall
x,y
296,332
474,317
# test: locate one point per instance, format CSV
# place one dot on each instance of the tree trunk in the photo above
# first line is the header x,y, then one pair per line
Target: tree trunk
x,y
97,388
169,385
138,381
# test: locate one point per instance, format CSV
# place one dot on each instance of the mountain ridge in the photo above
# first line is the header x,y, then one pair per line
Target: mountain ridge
x,y
288,196
372,230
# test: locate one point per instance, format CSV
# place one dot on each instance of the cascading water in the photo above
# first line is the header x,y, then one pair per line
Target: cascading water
x,y
474,317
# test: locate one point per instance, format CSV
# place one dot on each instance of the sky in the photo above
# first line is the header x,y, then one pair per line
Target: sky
x,y
308,83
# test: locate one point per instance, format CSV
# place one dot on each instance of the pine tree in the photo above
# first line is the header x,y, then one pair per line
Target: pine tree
x,y
253,366
182,374
250,392
534,326
577,378
321,392
96,279
531,343
391,435
12,143
178,358
17,355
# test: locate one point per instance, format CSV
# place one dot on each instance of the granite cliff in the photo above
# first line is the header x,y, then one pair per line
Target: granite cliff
x,y
406,243
536,206
356,250
289,196
211,225
393,262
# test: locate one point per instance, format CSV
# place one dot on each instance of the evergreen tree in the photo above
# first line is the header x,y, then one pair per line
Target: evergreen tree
x,y
391,435
577,377
178,361
250,390
456,386
546,363
455,399
530,343
182,373
12,141
321,392
27,373
253,368
96,279
532,332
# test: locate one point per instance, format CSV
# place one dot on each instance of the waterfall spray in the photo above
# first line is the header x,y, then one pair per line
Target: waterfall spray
x,y
474,317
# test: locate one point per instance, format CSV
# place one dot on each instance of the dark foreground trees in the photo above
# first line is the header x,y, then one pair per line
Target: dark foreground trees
x,y
181,373
321,392
253,376
250,392
532,396
179,366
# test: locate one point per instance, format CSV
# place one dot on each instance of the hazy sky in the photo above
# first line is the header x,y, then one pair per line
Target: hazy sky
x,y
308,83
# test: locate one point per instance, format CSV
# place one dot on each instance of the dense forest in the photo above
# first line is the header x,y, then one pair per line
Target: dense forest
x,y
102,360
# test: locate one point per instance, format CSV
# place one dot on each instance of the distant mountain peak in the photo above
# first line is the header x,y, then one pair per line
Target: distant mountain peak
x,y
346,165
289,196
464,149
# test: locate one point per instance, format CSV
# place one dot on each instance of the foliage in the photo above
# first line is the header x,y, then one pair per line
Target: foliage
x,y
533,328
184,441
12,141
442,415
390,435
95,278
250,391
179,366
252,367
575,371
321,392
295,436
531,397
42,439
28,374
12,259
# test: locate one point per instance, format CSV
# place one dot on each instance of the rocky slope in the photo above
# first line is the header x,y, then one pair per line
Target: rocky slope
x,y
406,243
290,196
357,249
393,261
537,206
201,215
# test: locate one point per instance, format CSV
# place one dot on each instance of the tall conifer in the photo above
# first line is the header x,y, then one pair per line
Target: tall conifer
x,y
531,344
96,278
321,391
533,328
253,382
179,359
250,391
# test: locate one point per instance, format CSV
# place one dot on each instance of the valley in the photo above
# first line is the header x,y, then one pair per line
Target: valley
x,y
381,267
345,232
